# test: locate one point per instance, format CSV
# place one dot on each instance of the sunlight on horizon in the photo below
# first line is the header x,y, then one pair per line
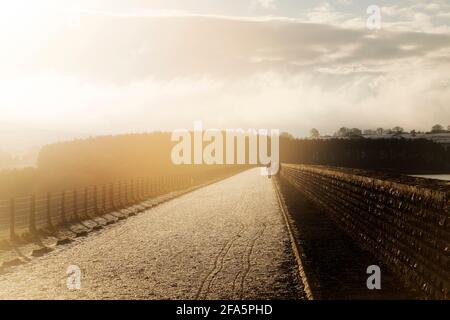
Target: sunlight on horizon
x,y
73,68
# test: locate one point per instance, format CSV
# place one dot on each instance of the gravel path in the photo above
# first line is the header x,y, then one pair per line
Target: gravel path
x,y
224,241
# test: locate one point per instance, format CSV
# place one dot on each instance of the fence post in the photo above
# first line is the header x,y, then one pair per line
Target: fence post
x,y
12,219
158,185
63,207
111,196
32,221
127,193
104,198
144,188
75,204
120,195
136,190
86,190
95,200
132,190
49,219
124,193
125,196
145,181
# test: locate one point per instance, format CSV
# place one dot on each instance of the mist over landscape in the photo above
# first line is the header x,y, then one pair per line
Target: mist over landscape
x,y
104,67
208,151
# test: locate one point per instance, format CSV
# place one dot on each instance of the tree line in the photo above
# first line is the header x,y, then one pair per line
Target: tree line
x,y
356,132
99,160
399,155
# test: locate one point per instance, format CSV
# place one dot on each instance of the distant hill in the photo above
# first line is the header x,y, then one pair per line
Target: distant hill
x,y
5,159
20,144
98,160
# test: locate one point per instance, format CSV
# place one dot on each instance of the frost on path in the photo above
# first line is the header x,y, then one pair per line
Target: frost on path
x,y
224,241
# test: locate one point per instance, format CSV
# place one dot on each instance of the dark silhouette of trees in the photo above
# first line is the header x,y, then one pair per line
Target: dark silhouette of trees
x,y
397,130
342,132
286,135
370,132
346,132
355,132
437,129
106,159
314,133
400,155
95,161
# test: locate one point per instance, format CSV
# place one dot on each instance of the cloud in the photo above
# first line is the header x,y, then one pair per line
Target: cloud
x,y
344,2
265,4
125,49
414,16
418,17
162,71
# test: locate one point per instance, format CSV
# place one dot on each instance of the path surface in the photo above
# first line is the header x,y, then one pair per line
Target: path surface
x,y
224,241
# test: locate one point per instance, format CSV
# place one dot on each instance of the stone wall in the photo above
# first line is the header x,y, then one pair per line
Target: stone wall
x,y
403,221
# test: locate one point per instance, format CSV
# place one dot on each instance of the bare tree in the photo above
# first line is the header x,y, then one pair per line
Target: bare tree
x,y
355,132
369,132
437,128
398,130
287,135
314,133
342,132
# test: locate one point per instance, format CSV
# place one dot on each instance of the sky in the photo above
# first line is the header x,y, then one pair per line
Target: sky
x,y
101,67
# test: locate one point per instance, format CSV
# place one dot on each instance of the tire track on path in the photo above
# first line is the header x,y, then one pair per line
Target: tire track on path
x,y
207,283
248,259
205,286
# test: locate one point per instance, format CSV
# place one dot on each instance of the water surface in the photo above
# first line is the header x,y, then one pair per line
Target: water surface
x,y
445,177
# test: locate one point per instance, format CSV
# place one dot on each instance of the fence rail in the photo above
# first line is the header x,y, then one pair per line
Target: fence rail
x,y
34,212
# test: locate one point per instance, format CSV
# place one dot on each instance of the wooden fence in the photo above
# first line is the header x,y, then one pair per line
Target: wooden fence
x,y
35,212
